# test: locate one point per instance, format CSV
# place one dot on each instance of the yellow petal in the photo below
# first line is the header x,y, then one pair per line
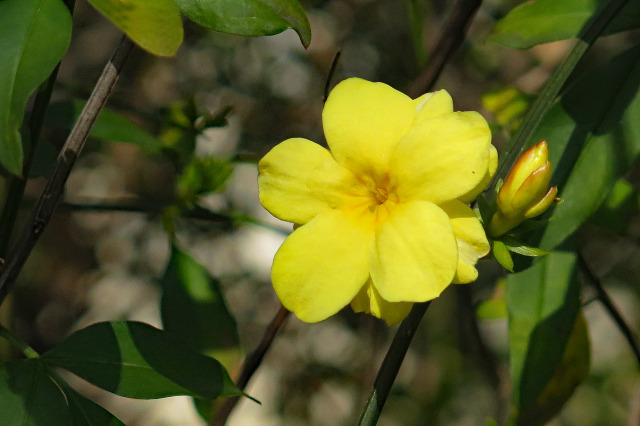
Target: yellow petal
x,y
368,300
493,166
433,104
299,179
321,266
363,122
470,237
442,158
415,254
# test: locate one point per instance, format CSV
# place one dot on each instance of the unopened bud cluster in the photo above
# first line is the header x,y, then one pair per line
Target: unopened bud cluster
x,y
525,192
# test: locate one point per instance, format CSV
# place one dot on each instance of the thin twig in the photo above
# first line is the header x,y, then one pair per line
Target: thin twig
x,y
52,193
391,365
251,364
610,307
453,34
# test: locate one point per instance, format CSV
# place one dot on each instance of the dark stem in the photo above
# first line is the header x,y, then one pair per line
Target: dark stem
x,y
453,34
332,71
609,306
52,192
391,365
251,364
16,185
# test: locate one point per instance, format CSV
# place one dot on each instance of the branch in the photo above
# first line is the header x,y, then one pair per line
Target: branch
x,y
610,307
52,193
251,364
453,34
391,365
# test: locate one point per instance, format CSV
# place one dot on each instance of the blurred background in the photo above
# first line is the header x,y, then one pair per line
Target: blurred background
x,y
98,261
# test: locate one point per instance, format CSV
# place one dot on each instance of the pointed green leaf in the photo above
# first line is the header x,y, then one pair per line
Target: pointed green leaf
x,y
496,307
542,21
34,35
87,413
136,360
29,397
154,25
593,133
193,306
542,305
109,126
572,370
519,247
502,255
249,17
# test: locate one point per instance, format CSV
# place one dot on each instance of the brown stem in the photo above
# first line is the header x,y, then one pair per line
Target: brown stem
x,y
52,192
251,364
609,306
453,34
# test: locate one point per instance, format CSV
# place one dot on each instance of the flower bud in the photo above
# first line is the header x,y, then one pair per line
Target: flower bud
x,y
525,192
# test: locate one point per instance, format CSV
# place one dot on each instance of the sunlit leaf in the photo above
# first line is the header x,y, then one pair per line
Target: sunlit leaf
x,y
542,305
136,360
502,255
34,35
29,397
542,21
155,25
249,17
495,307
193,306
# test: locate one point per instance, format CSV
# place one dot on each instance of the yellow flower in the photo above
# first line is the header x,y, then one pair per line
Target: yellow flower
x,y
381,216
525,192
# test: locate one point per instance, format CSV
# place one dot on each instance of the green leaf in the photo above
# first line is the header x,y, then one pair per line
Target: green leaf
x,y
109,126
620,206
542,305
155,25
86,412
203,175
593,133
502,255
249,17
496,307
34,35
136,360
519,247
572,370
29,397
193,306
543,21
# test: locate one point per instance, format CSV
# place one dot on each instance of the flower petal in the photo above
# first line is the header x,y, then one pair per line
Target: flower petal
x,y
299,179
321,267
433,104
363,122
368,300
442,158
493,166
415,255
471,239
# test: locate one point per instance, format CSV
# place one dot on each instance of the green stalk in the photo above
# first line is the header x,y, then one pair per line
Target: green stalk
x,y
550,91
27,350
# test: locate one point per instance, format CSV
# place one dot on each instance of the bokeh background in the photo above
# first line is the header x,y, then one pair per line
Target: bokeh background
x,y
93,264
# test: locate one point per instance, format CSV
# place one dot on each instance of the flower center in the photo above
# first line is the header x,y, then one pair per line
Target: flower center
x,y
381,195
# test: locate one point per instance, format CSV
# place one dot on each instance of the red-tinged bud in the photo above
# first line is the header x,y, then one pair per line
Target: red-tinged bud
x,y
525,192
